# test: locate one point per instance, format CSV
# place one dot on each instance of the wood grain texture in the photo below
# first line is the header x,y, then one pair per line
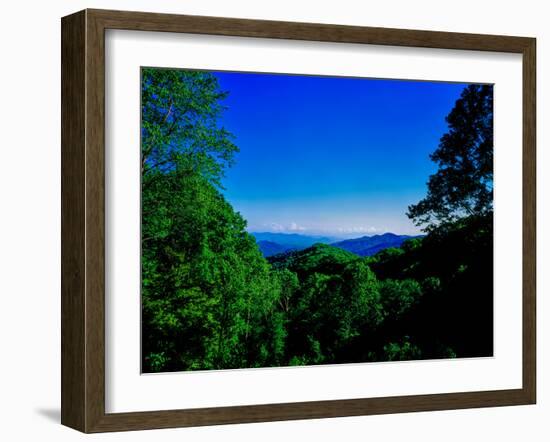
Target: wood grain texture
x,y
73,129
83,220
307,410
529,221
145,21
95,222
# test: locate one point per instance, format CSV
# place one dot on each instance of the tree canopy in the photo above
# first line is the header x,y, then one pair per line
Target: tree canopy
x,y
180,115
208,295
463,183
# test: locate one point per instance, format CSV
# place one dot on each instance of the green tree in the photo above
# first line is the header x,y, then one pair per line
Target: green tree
x,y
398,296
334,308
180,123
463,183
209,298
289,285
402,351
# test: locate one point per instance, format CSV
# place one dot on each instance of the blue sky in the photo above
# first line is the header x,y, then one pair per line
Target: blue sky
x,y
328,155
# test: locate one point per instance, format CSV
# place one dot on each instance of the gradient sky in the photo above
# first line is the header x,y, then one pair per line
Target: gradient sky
x,y
334,156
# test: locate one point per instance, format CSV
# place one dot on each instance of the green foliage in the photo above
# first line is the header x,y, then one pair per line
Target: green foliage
x,y
463,183
399,295
320,258
404,351
210,300
453,266
180,112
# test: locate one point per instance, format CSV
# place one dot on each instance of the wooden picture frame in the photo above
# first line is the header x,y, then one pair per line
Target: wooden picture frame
x,y
83,218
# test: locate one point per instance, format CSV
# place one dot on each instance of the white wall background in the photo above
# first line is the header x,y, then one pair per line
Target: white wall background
x,y
30,217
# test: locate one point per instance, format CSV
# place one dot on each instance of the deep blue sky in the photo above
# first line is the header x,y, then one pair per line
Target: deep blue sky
x,y
326,155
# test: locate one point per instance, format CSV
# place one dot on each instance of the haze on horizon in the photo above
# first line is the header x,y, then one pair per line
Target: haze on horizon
x,y
342,157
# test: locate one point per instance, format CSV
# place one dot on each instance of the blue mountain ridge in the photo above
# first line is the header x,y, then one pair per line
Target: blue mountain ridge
x,y
270,248
275,243
370,245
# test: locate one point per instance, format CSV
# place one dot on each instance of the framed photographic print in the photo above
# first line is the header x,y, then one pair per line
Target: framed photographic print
x,y
267,220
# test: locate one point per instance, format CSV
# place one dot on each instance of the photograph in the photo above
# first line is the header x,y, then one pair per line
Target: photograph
x,y
298,220
248,221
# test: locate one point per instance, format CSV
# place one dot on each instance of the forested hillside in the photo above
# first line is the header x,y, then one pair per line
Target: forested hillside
x,y
211,300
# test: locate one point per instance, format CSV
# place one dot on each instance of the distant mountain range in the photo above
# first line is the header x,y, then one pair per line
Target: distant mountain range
x,y
371,245
270,248
275,243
